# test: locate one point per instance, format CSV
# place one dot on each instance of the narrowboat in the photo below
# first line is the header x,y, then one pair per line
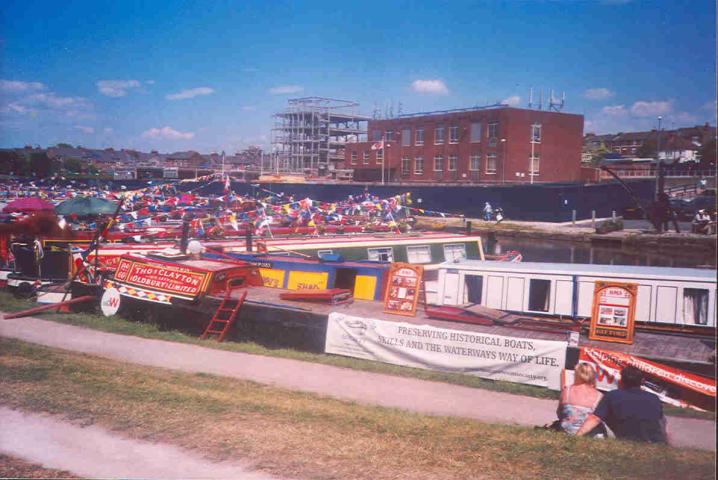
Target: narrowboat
x,y
669,297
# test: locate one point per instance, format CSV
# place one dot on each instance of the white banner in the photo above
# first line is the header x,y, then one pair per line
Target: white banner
x,y
512,359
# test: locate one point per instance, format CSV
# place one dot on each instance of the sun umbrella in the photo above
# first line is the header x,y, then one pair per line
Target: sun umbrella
x,y
28,205
86,206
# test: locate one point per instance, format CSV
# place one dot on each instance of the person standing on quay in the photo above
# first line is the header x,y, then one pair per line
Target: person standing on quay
x,y
488,211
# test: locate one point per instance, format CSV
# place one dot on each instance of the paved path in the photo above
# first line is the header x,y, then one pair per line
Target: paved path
x,y
364,387
96,453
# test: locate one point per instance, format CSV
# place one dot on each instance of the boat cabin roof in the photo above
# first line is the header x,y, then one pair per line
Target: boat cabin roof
x,y
204,265
618,271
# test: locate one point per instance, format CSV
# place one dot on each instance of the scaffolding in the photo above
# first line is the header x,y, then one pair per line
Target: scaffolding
x,y
309,136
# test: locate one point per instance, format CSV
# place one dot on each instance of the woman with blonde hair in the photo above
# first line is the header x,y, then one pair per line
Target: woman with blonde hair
x,y
579,400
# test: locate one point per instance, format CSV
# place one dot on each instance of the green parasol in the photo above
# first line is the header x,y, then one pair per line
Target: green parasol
x,y
86,207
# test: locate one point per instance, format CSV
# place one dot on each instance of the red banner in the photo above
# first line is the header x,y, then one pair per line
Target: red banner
x,y
672,385
163,278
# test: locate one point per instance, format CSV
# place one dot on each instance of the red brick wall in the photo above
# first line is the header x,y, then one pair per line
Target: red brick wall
x,y
559,149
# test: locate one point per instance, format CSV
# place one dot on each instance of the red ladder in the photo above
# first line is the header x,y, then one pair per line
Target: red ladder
x,y
225,315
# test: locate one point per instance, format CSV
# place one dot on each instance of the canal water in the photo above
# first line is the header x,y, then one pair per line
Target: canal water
x,y
536,250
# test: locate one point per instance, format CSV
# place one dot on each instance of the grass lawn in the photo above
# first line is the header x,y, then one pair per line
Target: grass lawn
x,y
302,435
11,467
124,326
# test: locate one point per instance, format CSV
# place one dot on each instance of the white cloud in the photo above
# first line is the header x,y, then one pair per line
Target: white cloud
x,y
108,130
15,107
116,88
190,93
614,110
85,129
15,86
709,105
512,101
285,89
650,109
598,93
149,82
436,87
168,133
683,118
248,108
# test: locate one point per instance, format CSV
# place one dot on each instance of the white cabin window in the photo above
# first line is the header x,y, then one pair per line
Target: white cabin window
x,y
381,254
695,306
539,295
418,254
454,252
323,252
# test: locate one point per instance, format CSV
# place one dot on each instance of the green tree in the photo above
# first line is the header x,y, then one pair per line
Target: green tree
x,y
707,153
72,164
41,164
13,162
648,149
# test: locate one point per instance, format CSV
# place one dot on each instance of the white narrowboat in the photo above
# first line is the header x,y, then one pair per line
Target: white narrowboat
x,y
666,296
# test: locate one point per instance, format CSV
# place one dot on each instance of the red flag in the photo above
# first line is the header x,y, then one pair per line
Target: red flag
x,y
378,145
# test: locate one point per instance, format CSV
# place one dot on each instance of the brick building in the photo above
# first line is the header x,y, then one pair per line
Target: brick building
x,y
478,145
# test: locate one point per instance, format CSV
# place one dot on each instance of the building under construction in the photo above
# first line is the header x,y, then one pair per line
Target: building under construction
x,y
309,137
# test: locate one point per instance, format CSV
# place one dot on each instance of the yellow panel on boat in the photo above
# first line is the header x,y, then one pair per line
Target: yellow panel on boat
x,y
364,287
307,280
272,278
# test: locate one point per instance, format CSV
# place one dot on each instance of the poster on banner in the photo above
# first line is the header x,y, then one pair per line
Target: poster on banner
x,y
614,310
496,357
402,291
673,386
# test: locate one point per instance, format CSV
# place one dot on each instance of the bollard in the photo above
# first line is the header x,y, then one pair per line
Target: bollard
x,y
593,219
573,217
613,215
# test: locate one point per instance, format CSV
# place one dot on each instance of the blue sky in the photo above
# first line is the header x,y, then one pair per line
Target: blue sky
x,y
175,75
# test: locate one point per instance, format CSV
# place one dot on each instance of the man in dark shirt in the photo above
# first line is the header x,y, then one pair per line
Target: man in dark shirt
x,y
631,413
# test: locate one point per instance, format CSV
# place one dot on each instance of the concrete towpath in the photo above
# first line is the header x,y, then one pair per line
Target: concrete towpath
x,y
93,452
409,394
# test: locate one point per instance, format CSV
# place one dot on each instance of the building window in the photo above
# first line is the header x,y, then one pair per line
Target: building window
x,y
439,163
419,136
419,166
493,130
381,254
405,166
695,306
418,254
453,160
454,135
366,157
354,158
454,252
539,295
491,163
376,135
476,132
439,136
475,163
536,133
534,161
406,137
389,136
380,156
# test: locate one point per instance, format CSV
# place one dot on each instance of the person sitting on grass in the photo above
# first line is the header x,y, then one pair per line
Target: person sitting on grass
x,y
630,412
579,400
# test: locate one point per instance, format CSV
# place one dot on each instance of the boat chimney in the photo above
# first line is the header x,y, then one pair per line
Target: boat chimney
x,y
248,238
468,227
185,232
